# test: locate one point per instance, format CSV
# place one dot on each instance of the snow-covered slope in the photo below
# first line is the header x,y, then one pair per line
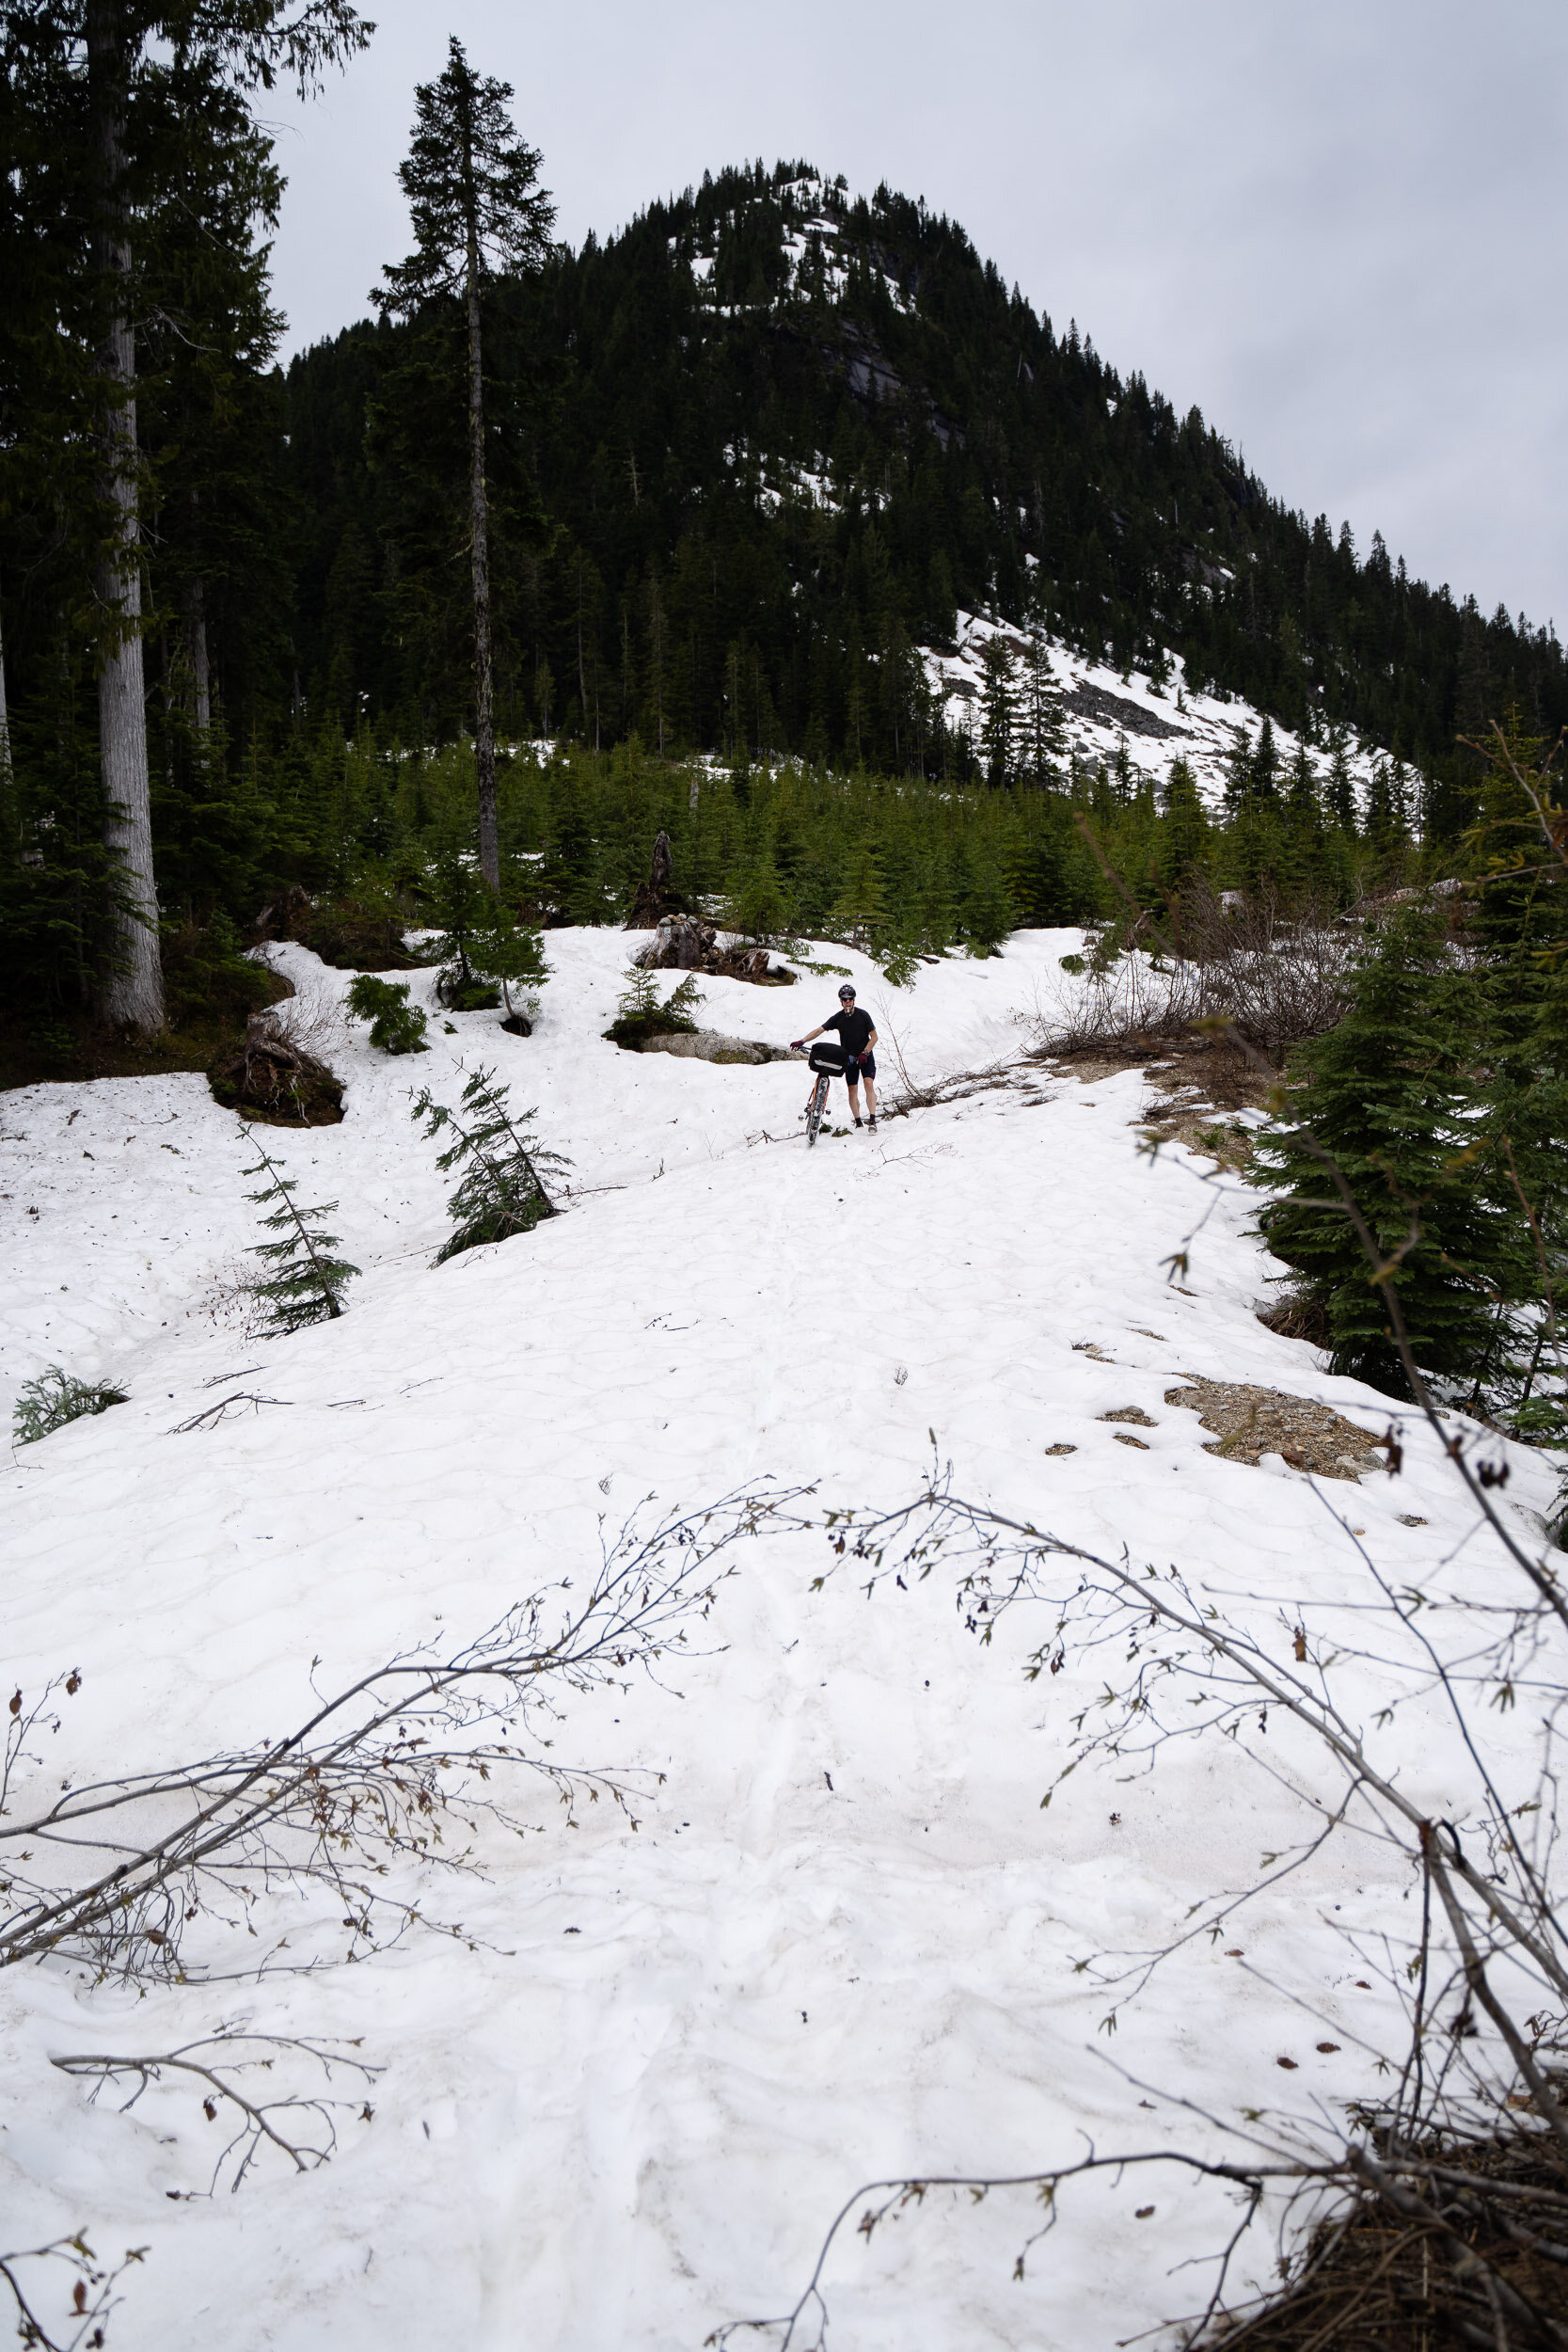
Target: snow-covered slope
x,y
841,1944
1106,713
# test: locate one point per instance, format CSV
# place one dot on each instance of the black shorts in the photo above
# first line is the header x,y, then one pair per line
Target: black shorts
x,y
865,1067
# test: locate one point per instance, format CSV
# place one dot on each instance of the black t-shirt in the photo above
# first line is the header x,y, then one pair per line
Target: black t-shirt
x,y
854,1029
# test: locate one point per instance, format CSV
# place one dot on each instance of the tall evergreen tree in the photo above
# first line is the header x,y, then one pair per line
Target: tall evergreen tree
x,y
1043,729
1341,790
998,708
477,211
1185,833
116,79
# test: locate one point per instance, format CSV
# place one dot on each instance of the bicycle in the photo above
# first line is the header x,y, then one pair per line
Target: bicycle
x,y
829,1061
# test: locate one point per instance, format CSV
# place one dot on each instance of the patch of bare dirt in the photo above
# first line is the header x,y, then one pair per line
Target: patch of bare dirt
x,y
1205,1084
1249,1421
1204,1092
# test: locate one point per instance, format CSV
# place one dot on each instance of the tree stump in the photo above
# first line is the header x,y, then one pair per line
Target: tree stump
x,y
275,1082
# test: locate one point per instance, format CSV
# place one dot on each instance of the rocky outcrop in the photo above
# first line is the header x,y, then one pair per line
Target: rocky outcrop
x,y
710,1045
1119,710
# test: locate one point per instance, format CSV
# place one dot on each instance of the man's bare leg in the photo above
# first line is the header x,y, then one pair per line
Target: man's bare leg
x,y
855,1105
870,1098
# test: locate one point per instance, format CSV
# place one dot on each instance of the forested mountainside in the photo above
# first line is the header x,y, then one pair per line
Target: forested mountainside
x,y
770,472
767,440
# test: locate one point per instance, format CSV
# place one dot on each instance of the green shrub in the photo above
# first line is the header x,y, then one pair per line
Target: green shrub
x,y
638,1014
46,1404
396,1025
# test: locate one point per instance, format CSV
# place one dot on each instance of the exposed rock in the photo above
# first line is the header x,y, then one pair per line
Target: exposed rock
x,y
709,1045
1250,1421
1118,711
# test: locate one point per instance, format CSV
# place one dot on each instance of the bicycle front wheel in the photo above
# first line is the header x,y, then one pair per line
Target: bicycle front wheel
x,y
819,1104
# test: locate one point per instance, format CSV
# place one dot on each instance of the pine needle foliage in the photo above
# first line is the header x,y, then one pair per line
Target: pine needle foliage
x,y
1391,1098
47,1403
639,1015
502,1187
463,907
308,1281
510,951
396,1025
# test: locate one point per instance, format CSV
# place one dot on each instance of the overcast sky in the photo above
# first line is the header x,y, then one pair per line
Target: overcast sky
x,y
1338,228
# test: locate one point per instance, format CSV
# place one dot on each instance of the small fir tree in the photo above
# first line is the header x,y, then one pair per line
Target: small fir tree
x,y
54,1397
987,909
1303,842
1265,764
1239,773
758,908
859,911
639,1015
1044,726
1184,834
1389,1099
999,702
501,1190
1340,792
396,1025
512,952
308,1281
464,912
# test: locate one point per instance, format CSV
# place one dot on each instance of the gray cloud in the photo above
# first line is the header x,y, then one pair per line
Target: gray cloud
x,y
1337,229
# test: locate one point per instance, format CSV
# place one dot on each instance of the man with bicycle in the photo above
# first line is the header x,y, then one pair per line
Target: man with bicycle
x,y
857,1036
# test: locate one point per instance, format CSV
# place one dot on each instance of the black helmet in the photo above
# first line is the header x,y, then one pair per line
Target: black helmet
x,y
846,993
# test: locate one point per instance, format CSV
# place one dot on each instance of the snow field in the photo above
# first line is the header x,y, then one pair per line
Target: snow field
x,y
842,1941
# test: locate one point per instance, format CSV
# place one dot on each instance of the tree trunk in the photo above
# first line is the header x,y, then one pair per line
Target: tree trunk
x,y
195,648
484,684
131,993
5,727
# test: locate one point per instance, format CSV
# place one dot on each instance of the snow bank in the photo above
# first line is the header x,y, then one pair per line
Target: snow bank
x,y
842,1943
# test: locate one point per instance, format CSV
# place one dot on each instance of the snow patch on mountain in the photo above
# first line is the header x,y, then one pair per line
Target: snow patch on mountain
x,y
1108,711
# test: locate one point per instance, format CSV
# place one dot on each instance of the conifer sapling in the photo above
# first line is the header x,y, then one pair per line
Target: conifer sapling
x,y
501,1190
308,1281
396,1025
47,1402
639,1015
511,953
465,914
